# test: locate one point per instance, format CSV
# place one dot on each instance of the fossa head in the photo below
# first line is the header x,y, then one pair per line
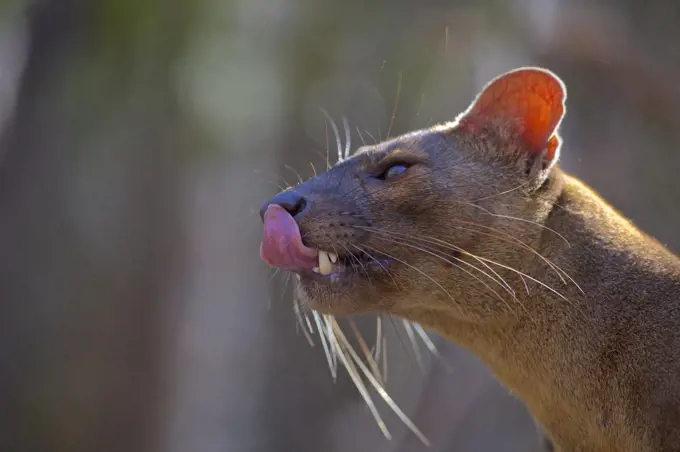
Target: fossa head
x,y
407,219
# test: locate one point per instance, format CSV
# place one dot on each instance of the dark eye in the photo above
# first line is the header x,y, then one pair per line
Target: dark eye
x,y
394,171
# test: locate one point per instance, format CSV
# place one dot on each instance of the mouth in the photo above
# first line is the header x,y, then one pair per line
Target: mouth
x,y
282,247
335,268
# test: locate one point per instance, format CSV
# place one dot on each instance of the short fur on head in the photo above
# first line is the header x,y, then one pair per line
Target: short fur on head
x,y
469,228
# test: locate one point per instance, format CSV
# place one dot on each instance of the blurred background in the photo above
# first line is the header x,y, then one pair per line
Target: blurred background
x,y
138,139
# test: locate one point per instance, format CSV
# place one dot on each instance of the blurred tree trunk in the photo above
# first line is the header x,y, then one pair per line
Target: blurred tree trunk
x,y
88,232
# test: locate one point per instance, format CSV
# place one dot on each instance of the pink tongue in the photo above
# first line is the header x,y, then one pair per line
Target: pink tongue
x,y
282,245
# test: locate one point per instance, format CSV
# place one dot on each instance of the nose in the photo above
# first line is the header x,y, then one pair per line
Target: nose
x,y
292,201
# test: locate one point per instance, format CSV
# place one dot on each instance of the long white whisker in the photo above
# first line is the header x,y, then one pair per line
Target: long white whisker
x,y
526,286
528,277
269,281
361,137
500,280
298,316
324,343
294,171
384,353
426,339
336,132
354,375
430,345
377,262
371,135
272,276
523,184
328,323
378,337
416,269
340,336
560,273
394,109
414,344
308,322
328,160
509,217
445,244
348,137
352,256
369,357
404,243
510,239
286,280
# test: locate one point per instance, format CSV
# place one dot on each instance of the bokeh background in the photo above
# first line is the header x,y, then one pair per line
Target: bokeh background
x,y
138,139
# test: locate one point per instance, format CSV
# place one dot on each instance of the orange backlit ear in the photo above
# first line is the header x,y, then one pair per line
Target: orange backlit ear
x,y
532,99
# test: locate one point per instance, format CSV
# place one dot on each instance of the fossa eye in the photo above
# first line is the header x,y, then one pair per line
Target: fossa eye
x,y
394,171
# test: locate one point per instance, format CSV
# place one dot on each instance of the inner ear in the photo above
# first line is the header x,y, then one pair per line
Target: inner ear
x,y
531,101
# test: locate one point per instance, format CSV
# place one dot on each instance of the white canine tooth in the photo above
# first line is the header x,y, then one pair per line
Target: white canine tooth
x,y
315,269
325,265
333,257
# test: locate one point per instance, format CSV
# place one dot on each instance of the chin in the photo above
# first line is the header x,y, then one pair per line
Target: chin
x,y
330,296
343,292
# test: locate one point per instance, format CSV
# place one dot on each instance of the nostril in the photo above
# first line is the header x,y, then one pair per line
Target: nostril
x,y
293,202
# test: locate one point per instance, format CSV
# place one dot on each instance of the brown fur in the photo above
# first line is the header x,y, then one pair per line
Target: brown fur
x,y
598,366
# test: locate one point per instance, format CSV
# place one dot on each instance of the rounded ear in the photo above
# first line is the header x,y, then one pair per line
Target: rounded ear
x,y
531,101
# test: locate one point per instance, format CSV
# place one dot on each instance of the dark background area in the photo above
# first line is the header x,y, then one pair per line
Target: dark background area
x,y
138,139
